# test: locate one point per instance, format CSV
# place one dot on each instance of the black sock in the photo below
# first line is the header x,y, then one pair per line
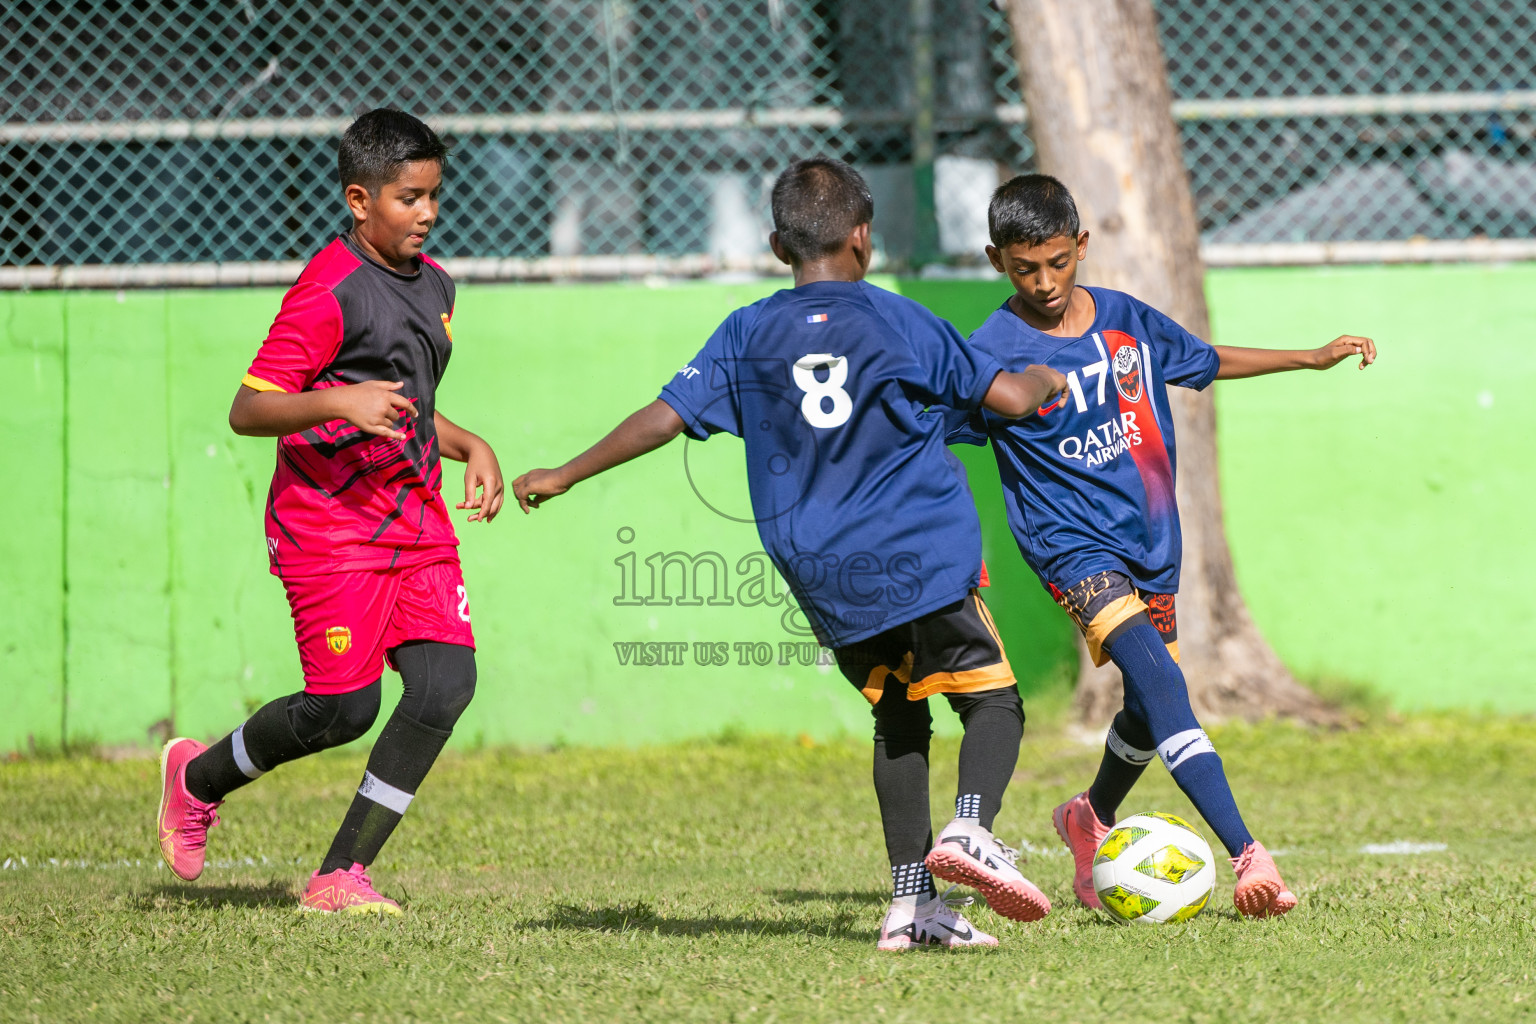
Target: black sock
x,y
994,725
1128,749
400,761
439,681
280,731
902,731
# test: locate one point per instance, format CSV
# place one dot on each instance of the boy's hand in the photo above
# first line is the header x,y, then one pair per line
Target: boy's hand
x,y
1341,348
483,472
373,407
537,486
1053,380
1018,394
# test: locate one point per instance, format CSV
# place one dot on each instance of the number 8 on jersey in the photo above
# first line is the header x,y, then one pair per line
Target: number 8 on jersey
x,y
817,391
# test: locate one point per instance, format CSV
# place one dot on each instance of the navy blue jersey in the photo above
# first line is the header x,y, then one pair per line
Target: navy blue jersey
x,y
1089,481
829,386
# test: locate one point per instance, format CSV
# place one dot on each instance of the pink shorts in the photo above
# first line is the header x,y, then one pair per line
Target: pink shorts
x,y
346,622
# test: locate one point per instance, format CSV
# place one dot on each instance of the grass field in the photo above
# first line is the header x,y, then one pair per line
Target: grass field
x,y
744,880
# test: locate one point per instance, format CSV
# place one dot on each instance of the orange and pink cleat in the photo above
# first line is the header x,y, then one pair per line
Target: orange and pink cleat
x,y
967,854
346,891
1259,892
1082,831
184,819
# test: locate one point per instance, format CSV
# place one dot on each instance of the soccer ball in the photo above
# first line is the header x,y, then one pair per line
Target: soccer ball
x,y
1153,869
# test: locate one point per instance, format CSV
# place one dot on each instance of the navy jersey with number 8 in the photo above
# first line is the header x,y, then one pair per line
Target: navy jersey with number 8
x,y
836,389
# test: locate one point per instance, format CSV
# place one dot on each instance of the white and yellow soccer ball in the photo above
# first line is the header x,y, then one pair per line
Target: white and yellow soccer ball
x,y
1154,869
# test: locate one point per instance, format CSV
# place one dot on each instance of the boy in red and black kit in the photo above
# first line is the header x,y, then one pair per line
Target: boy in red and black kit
x,y
356,525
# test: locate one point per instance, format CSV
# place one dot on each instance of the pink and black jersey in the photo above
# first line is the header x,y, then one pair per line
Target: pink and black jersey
x,y
341,499
1089,481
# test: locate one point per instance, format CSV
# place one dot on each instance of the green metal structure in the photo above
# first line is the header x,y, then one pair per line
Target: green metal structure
x,y
590,131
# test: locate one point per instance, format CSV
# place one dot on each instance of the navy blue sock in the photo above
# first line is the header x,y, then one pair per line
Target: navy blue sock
x,y
1155,693
1128,749
1205,783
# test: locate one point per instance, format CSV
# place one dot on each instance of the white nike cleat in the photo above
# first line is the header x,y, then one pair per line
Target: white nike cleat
x,y
936,923
968,854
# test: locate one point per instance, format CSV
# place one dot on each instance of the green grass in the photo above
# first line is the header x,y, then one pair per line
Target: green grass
x,y
744,880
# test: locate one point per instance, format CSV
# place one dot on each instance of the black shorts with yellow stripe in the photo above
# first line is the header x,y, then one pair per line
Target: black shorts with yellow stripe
x,y
953,649
1107,602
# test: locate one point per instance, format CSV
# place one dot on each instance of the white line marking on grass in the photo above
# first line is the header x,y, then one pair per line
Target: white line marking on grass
x,y
23,864
1025,846
1403,846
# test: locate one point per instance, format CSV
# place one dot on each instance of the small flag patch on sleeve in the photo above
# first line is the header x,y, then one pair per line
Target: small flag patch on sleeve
x,y
816,318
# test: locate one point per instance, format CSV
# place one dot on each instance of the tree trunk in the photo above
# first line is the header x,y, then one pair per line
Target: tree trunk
x,y
1100,114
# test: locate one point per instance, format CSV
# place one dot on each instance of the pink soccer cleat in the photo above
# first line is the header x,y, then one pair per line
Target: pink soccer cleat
x,y
970,855
1082,831
1259,892
184,819
347,891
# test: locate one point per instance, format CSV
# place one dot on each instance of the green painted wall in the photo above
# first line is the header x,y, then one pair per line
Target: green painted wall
x,y
32,506
1381,521
1376,518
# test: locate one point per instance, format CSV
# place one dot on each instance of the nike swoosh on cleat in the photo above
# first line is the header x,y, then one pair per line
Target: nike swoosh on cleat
x,y
955,931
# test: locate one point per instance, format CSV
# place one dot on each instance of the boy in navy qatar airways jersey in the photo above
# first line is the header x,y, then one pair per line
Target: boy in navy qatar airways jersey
x,y
829,385
1089,486
356,525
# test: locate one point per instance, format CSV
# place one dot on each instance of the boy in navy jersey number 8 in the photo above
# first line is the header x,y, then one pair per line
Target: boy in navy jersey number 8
x,y
356,525
829,384
1089,487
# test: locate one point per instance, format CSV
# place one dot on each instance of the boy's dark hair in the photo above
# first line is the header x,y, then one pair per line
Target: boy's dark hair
x,y
1029,210
378,144
816,203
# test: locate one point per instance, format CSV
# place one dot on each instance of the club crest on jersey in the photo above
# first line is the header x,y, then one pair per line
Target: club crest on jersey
x,y
1128,373
338,639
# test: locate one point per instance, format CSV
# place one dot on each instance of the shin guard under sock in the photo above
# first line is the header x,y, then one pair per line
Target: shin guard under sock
x,y
1196,767
1128,749
994,725
401,759
1155,693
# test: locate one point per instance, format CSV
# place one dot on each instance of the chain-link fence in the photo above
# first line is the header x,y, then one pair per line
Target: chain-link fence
x,y
200,131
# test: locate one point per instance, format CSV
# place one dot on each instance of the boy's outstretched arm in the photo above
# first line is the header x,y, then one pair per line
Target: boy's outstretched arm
x,y
372,407
644,431
1253,362
481,471
1019,394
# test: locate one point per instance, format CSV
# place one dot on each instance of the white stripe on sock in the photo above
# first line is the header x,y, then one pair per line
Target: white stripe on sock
x,y
1127,753
242,759
1182,746
382,793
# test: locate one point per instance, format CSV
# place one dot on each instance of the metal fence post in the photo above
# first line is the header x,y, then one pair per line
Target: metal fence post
x,y
925,226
